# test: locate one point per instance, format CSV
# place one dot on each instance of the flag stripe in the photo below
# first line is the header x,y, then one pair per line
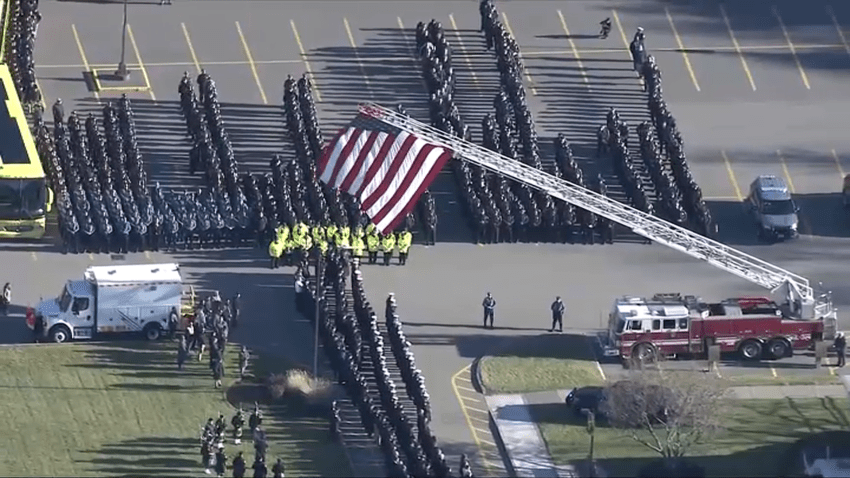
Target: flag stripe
x,y
399,184
389,170
328,153
392,220
388,152
353,164
358,138
355,177
350,142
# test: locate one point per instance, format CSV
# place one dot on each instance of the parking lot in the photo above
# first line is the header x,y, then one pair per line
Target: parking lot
x,y
755,90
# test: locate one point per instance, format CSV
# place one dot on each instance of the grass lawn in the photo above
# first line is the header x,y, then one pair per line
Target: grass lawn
x,y
123,408
783,379
547,363
757,438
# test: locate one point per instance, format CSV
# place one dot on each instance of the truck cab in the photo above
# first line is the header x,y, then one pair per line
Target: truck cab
x,y
772,208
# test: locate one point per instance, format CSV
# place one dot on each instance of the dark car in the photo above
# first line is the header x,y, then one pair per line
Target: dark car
x,y
585,398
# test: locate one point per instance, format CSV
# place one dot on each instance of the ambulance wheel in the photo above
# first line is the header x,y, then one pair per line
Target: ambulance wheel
x,y
153,332
750,350
778,348
60,334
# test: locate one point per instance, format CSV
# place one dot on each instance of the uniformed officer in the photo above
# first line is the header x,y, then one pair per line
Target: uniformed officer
x,y
557,315
373,244
239,466
244,356
58,112
274,253
358,245
238,421
387,246
256,418
220,461
277,469
6,299
840,348
606,28
405,239
489,305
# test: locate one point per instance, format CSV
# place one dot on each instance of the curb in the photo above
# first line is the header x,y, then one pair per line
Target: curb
x,y
478,385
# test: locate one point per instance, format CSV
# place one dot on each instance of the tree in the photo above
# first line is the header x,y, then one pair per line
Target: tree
x,y
667,412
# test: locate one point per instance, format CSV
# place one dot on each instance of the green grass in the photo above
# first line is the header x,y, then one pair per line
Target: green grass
x,y
123,408
782,379
757,437
546,362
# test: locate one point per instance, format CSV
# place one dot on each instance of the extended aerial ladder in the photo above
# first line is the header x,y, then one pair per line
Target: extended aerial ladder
x,y
796,292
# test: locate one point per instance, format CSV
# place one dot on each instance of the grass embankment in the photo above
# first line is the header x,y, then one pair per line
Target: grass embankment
x,y
548,362
756,441
123,408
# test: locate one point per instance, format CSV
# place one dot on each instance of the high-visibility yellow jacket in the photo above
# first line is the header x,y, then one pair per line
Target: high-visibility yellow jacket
x,y
388,243
342,241
323,246
373,242
287,245
358,232
405,239
301,229
273,248
318,233
330,231
357,246
283,232
370,229
307,243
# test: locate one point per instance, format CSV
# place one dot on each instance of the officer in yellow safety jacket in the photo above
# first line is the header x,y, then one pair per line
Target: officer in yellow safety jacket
x,y
286,248
373,244
318,235
343,238
330,232
405,239
358,245
283,232
387,245
275,250
371,229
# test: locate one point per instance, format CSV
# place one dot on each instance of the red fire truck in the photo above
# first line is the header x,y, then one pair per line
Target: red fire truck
x,y
670,324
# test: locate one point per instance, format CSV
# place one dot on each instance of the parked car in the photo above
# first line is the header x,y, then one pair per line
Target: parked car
x,y
585,398
593,398
772,207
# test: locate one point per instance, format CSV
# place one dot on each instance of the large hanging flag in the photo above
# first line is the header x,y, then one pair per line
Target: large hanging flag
x,y
385,167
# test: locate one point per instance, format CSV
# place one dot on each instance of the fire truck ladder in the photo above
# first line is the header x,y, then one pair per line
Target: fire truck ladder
x,y
795,288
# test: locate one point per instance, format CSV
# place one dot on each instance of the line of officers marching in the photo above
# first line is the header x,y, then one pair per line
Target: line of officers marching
x,y
291,245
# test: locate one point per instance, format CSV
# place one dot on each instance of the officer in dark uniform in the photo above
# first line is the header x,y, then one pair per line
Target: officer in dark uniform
x,y
58,112
557,315
277,469
238,466
489,305
840,348
606,28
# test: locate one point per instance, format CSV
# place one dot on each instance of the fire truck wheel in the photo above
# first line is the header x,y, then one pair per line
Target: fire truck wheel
x,y
750,350
644,353
778,348
60,334
153,332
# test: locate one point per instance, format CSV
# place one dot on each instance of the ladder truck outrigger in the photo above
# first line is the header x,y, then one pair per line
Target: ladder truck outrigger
x,y
803,314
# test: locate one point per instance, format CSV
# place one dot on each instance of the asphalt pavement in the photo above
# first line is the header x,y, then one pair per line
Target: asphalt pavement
x,y
754,89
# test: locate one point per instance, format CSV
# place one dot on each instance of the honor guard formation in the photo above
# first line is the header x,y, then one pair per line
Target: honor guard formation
x,y
22,26
355,343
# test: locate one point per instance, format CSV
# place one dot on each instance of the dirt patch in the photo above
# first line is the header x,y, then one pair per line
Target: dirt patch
x,y
247,393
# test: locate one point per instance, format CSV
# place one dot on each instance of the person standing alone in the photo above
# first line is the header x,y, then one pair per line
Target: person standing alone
x,y
489,305
557,315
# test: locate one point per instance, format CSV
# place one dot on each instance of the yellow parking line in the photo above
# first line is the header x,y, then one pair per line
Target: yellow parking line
x,y
717,370
91,256
831,370
466,389
33,256
732,178
838,163
838,28
357,56
463,409
773,372
527,74
792,48
306,61
84,59
465,55
141,63
251,63
786,172
191,48
682,47
480,420
601,372
43,96
147,254
625,40
737,47
575,50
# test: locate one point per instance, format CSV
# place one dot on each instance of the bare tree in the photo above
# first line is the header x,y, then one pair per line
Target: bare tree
x,y
668,412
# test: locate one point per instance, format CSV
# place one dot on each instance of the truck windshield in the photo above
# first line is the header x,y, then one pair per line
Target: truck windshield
x,y
778,208
65,300
22,198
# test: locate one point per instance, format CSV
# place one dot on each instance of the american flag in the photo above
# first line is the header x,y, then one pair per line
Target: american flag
x,y
383,166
